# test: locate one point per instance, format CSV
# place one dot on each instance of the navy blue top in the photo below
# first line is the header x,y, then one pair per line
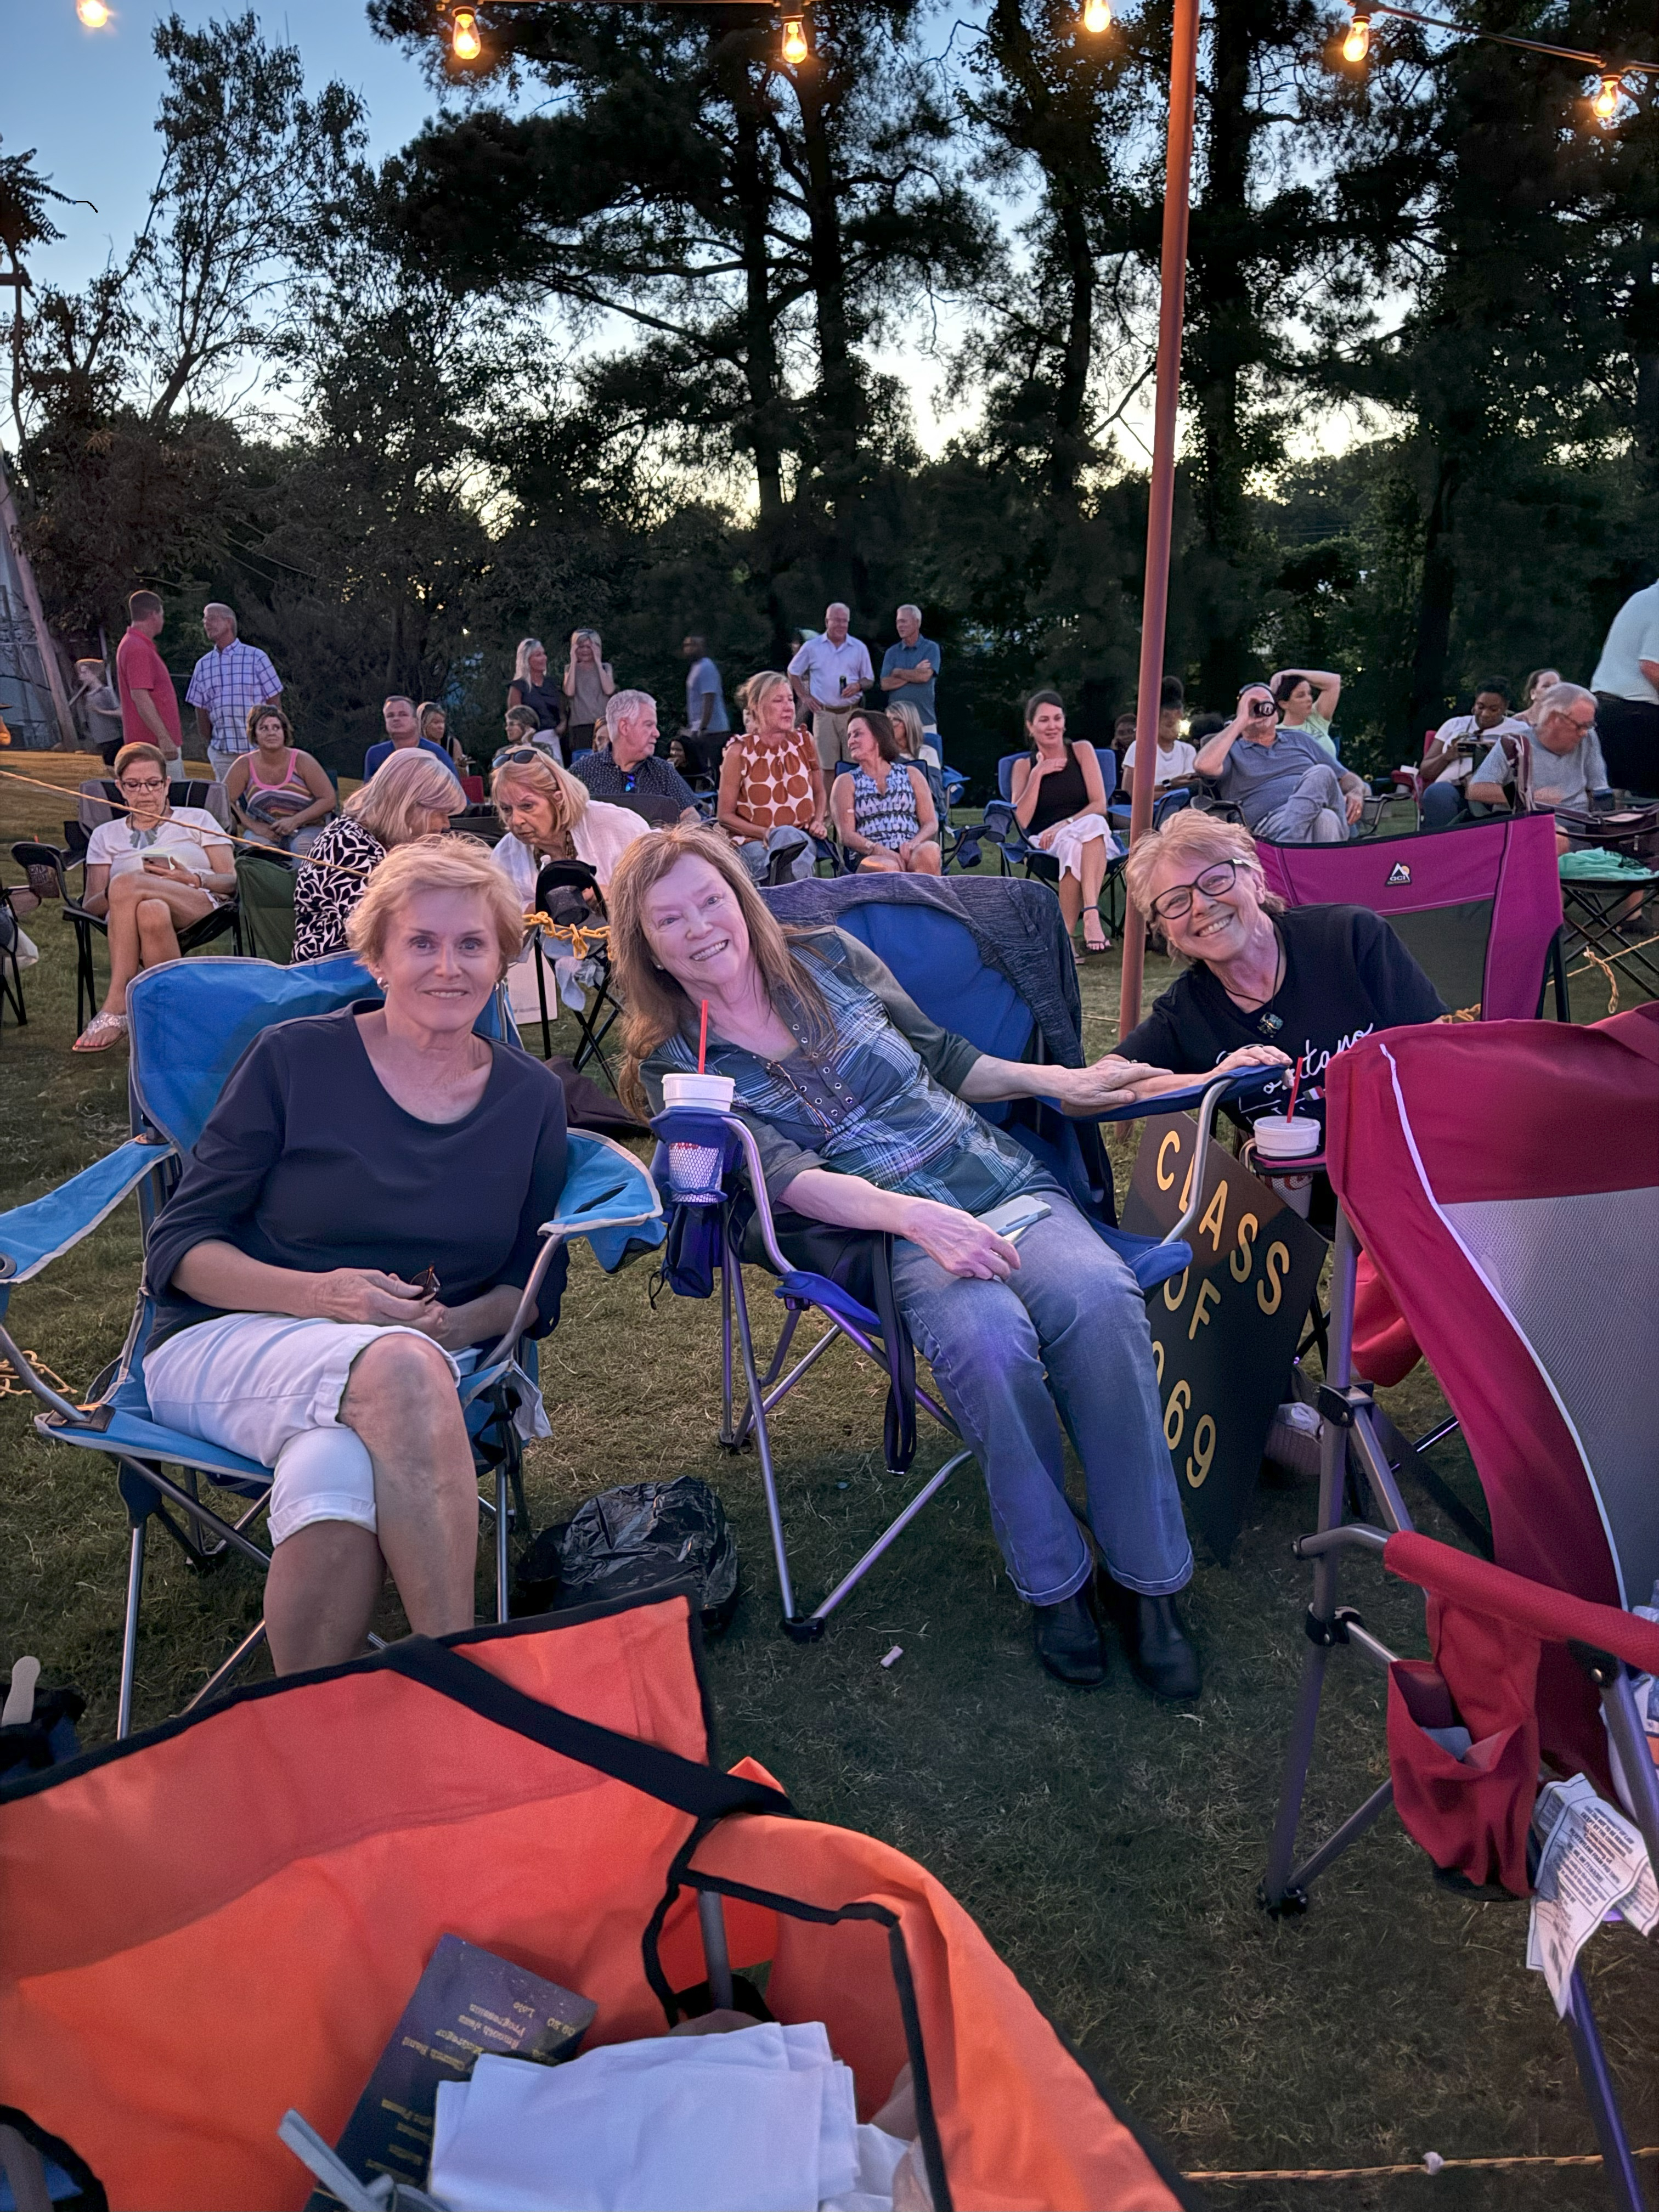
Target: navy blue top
x,y
1346,975
377,756
307,1162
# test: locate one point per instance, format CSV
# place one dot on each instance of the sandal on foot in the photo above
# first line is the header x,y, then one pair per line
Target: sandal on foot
x,y
1104,945
103,1030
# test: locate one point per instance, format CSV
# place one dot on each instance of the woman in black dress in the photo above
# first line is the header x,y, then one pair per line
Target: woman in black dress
x,y
1060,802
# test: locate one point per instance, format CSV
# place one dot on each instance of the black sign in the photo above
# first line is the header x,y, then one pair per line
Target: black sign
x,y
1226,1331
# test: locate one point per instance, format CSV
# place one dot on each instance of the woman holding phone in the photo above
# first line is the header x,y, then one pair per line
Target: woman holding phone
x,y
152,871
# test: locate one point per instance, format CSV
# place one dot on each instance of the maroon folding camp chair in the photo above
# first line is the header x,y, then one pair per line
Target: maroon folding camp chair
x,y
1478,906
1495,1173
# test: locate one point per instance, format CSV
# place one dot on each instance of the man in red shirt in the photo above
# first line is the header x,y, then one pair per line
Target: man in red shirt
x,y
149,704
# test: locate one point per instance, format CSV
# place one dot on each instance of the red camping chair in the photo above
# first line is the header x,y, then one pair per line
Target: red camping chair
x,y
1446,1149
1478,907
222,1919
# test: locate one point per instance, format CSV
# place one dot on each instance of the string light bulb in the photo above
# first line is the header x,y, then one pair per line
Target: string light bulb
x,y
795,47
1605,105
463,40
1096,15
93,13
1357,44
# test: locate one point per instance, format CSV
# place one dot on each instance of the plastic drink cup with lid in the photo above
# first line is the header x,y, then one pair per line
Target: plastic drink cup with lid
x,y
694,1170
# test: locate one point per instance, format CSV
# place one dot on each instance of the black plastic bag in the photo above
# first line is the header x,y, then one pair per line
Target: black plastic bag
x,y
48,1737
628,1541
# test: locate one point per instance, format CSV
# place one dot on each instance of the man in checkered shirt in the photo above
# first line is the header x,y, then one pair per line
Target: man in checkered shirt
x,y
224,683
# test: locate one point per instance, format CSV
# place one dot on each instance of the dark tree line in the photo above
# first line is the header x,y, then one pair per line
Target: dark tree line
x,y
614,354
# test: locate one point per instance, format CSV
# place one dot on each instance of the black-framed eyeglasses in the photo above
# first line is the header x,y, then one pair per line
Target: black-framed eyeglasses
x,y
518,755
149,783
1215,883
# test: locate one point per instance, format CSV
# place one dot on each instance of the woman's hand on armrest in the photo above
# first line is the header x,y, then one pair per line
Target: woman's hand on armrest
x,y
1110,1082
959,1243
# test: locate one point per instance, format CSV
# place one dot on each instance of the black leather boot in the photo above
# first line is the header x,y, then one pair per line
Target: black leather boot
x,y
1068,1638
1155,1642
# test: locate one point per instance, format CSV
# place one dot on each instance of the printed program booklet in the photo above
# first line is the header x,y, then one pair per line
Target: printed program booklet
x,y
466,2003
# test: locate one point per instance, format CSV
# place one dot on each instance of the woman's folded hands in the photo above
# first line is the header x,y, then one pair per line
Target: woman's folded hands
x,y
368,1294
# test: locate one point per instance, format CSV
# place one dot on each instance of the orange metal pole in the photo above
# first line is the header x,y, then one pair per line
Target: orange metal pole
x,y
1160,510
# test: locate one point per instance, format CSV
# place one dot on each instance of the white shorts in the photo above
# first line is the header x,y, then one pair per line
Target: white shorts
x,y
270,1386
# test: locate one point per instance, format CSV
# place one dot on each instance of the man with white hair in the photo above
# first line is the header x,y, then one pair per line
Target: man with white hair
x,y
630,774
228,679
1561,766
909,674
829,675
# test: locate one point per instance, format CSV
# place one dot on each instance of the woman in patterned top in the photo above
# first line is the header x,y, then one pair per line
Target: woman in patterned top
x,y
862,1113
771,797
884,809
413,795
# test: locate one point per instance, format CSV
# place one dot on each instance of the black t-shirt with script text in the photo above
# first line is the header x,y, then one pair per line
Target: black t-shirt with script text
x,y
1345,973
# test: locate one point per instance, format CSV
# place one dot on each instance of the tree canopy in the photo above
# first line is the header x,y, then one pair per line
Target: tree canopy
x,y
613,341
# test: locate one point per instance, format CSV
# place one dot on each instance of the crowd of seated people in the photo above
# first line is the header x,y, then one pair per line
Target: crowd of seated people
x,y
323,1274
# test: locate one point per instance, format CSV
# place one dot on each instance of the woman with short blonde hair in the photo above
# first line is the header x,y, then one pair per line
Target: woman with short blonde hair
x,y
413,795
772,801
357,1222
434,863
1267,986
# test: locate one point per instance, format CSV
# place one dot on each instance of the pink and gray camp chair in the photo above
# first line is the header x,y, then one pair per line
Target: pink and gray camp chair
x,y
1478,906
1492,1171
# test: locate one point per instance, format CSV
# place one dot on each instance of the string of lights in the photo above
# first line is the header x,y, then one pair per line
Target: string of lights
x,y
467,43
1605,102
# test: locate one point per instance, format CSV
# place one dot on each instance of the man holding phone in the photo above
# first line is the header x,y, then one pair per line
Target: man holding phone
x,y
1287,789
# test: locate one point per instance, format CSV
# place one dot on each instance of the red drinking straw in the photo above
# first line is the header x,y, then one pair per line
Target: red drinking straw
x,y
1296,1080
703,1039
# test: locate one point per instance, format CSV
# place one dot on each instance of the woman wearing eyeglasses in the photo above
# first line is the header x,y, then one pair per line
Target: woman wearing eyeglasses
x,y
548,815
1267,985
150,872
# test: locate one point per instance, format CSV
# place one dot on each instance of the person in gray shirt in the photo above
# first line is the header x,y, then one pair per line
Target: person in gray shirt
x,y
1561,765
1286,788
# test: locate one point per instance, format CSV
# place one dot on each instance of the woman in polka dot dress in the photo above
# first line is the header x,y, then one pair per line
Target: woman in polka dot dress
x,y
771,796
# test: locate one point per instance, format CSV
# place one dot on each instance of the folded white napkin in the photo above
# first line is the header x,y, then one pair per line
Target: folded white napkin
x,y
761,2120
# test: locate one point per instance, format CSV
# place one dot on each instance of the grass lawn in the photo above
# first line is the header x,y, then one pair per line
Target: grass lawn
x,y
1109,1847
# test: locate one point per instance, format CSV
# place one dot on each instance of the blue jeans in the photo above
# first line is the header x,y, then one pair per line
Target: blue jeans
x,y
756,856
1316,813
1070,1321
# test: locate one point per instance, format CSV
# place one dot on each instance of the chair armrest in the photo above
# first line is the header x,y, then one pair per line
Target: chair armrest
x,y
1553,1616
32,1235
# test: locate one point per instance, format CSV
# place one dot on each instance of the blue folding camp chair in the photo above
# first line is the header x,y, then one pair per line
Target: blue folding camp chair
x,y
999,828
190,1023
937,956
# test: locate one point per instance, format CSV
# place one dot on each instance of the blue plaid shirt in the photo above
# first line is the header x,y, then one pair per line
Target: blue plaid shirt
x,y
878,1101
228,684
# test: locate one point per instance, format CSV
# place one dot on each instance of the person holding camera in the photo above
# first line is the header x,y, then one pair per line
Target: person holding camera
x,y
1287,790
